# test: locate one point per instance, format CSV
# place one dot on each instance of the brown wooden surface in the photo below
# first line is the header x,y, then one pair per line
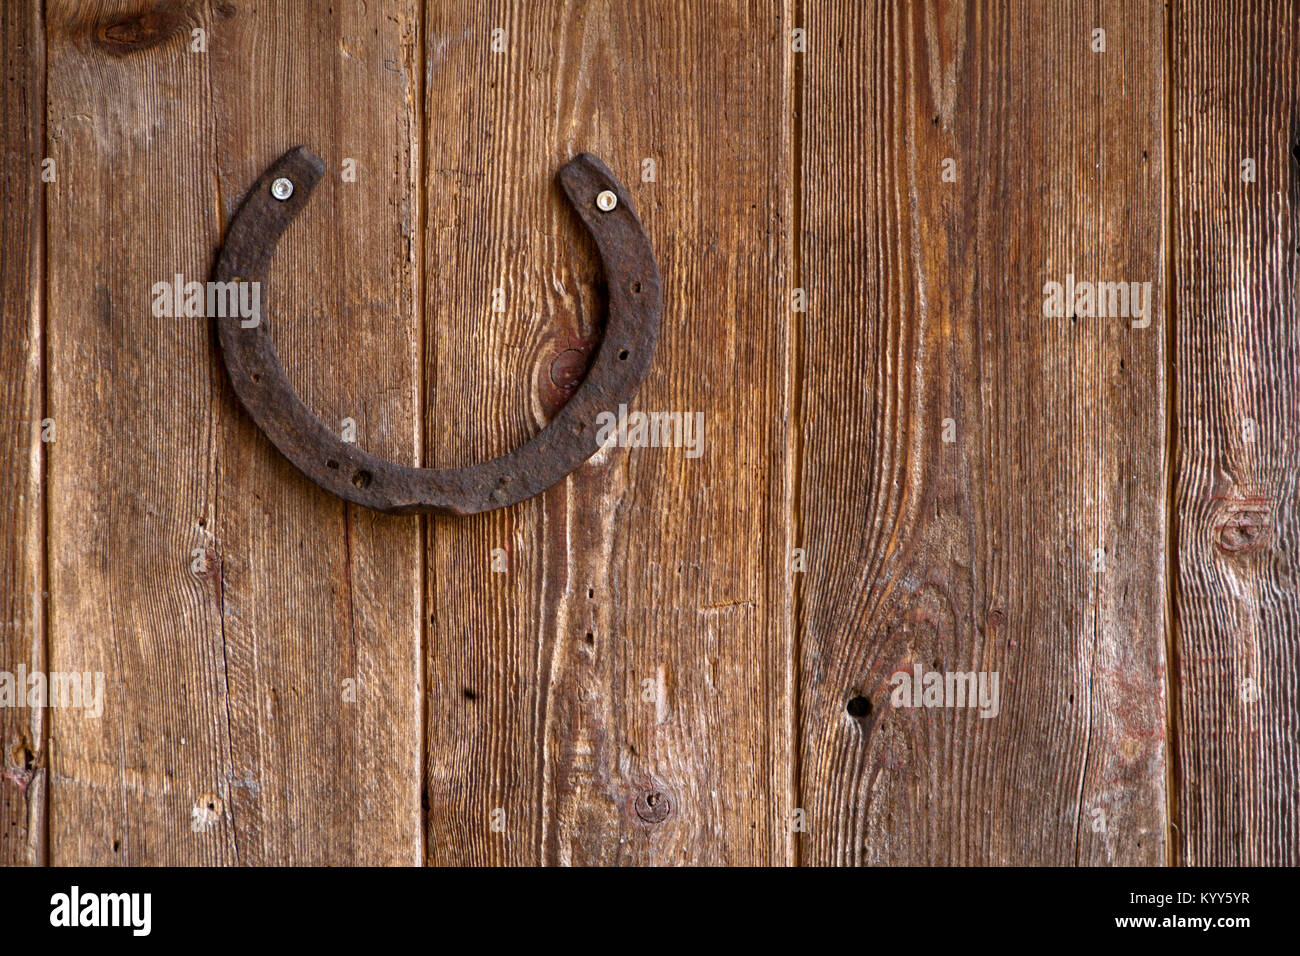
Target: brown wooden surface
x,y
645,566
23,759
1236,77
224,687
648,647
127,481
976,555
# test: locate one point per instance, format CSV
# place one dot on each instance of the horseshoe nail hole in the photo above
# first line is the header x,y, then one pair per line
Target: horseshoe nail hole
x,y
858,707
361,479
332,464
256,377
622,355
636,287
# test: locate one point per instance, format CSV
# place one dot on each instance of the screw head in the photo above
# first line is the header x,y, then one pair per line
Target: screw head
x,y
282,189
606,201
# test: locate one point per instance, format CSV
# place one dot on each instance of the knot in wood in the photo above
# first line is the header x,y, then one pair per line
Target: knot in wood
x,y
653,806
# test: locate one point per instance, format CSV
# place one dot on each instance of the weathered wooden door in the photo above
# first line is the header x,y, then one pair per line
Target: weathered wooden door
x,y
987,309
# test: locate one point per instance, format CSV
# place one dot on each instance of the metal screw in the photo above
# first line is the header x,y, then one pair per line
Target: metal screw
x,y
606,201
282,189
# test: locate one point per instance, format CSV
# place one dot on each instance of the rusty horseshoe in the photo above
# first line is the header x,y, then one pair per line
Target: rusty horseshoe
x,y
569,439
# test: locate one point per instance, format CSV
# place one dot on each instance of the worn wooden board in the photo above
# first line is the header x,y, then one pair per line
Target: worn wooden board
x,y
22,453
1235,77
342,580
619,692
925,303
132,397
225,598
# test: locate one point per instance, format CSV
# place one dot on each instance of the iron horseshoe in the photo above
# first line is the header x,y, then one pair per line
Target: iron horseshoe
x,y
621,361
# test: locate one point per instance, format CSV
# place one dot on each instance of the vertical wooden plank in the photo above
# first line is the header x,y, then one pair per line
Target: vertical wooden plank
x,y
22,543
978,555
224,597
132,396
620,692
1236,73
342,582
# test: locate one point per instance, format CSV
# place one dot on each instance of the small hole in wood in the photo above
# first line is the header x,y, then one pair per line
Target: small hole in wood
x,y
622,355
361,479
331,464
636,287
859,707
470,695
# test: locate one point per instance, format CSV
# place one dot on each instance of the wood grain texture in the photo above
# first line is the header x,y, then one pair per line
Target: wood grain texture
x,y
619,691
23,754
318,592
926,304
224,597
647,679
1236,73
129,476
